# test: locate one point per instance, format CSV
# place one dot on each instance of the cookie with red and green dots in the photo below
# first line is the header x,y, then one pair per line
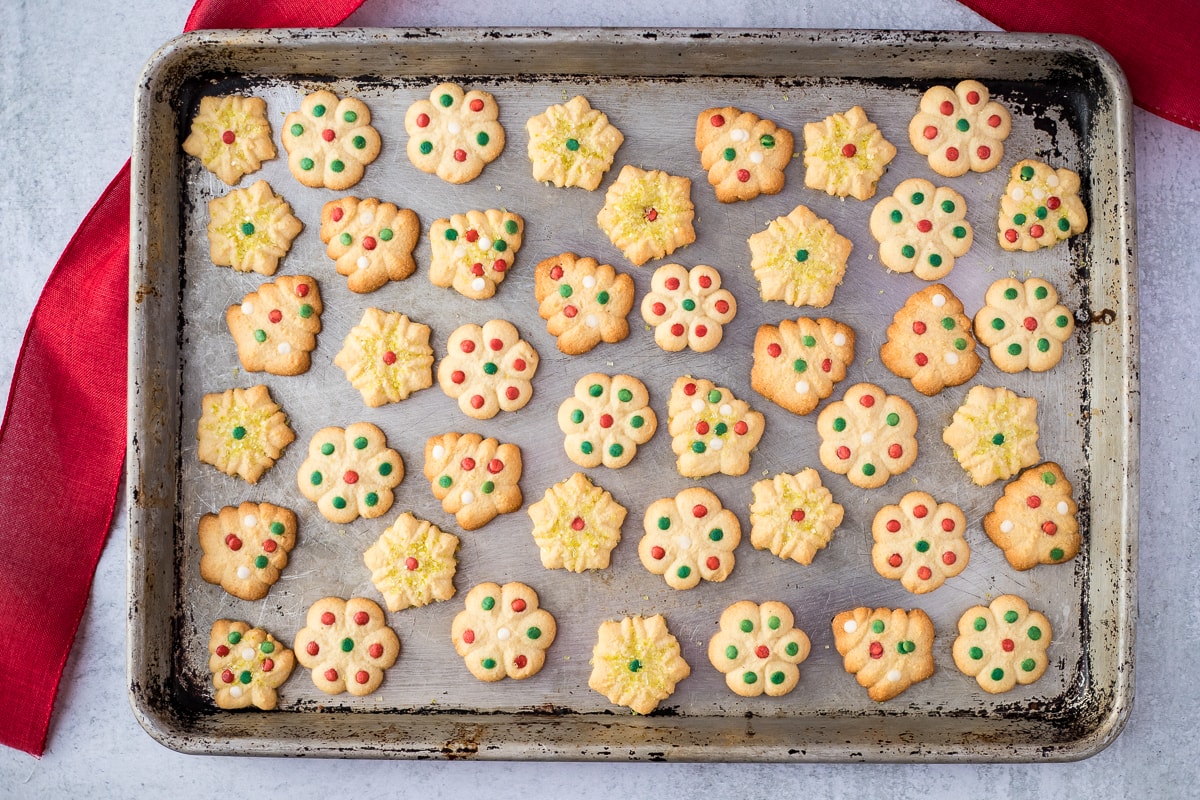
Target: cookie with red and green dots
x,y
960,129
502,632
1023,325
759,649
370,242
242,432
474,478
330,141
350,472
1040,207
583,302
488,369
473,252
919,542
455,133
797,363
745,156
606,419
248,665
1034,521
688,308
276,326
347,644
712,431
887,650
922,229
930,342
231,136
1003,644
245,547
690,537
868,435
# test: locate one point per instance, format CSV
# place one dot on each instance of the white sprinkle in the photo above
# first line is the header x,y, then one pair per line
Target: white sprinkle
x,y
460,251
484,243
478,284
243,572
363,262
1006,526
726,409
683,542
247,653
739,135
588,282
802,387
697,405
867,437
1061,507
247,308
850,626
468,497
893,675
756,157
951,357
1052,180
839,339
439,451
366,218
249,520
1017,193
236,691
715,444
1039,193
939,300
503,634
591,320
284,348
453,127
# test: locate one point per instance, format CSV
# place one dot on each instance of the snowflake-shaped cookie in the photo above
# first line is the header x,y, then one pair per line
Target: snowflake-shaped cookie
x,y
799,259
930,342
648,214
689,537
350,472
473,252
793,516
868,435
247,665
347,644
745,156
488,369
251,229
412,563
231,136
688,308
1002,644
572,144
919,542
846,155
583,302
960,129
994,434
387,357
1023,325
246,547
454,134
797,363
330,141
576,525
1040,207
502,633
370,242
276,326
475,478
712,430
886,649
1034,521
606,419
637,662
242,432
921,229
758,648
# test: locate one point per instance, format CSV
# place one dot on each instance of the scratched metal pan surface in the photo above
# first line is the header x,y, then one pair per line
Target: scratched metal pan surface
x,y
1070,107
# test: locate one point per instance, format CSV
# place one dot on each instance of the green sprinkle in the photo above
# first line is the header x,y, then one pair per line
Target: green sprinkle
x,y
1035,633
572,144
698,447
917,198
664,523
488,487
451,234
877,626
327,449
1018,219
336,165
980,624
446,100
896,216
315,479
426,148
800,365
339,503
802,255
767,140
960,344
636,421
948,206
586,448
234,637
510,226
935,260
306,311
720,429
1048,478
868,470
1056,553
908,251
602,298
533,632
749,677
371,499
1026,173
963,125
714,396
488,603
499,245
792,648
350,116
247,228
998,439
490,368
1028,665
445,481
488,663
577,416
624,395
267,647
922,546
565,290
482,139
997,324
948,323
731,652
809,341
346,239
306,164
1040,212
245,677
358,142
683,572
318,110
385,468
839,424
774,622
261,562
238,432
1061,321
959,232
615,450
1010,616
635,665
595,390
716,535
297,129
1014,349
360,443
689,304
730,154
893,420
385,235
746,625
260,335
997,674
277,528
1063,224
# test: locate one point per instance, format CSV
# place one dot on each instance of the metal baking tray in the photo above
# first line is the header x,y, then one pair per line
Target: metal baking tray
x,y
1071,107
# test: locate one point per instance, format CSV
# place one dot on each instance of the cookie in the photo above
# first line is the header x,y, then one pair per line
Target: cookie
x,y
245,547
242,432
922,229
248,665
412,563
330,141
994,434
572,144
576,525
930,342
583,302
1002,644
745,156
251,229
887,650
1034,521
797,363
845,155
960,129
687,308
231,136
454,134
1023,325
502,633
793,516
475,478
758,648
350,472
868,435
386,357
370,242
712,430
606,419
276,326
799,259
648,214
347,644
636,662
1040,207
473,252
689,537
488,369
919,542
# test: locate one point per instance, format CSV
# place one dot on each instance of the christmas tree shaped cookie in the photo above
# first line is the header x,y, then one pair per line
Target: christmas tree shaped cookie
x,y
930,342
1034,521
712,430
473,252
887,650
797,363
248,665
1040,207
276,326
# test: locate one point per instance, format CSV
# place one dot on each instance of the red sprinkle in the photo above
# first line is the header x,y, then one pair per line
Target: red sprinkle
x,y
657,553
895,560
876,650
477,269
556,273
518,605
270,546
606,420
701,331
659,309
331,675
1053,203
689,389
893,525
930,132
471,236
705,281
921,359
866,401
994,121
520,661
467,464
227,676
368,243
477,401
328,134
227,137
948,558
519,365
512,393
468,636
717,120
495,465
743,175
458,376
740,428
919,327
1033,501
947,108
375,650
476,105
1030,324
972,97
233,542
361,618
1036,231
721,306
411,564
712,562
849,150
570,311
337,214
920,512
1010,235
672,284
702,427
389,358
677,329
268,665
275,316
578,524
1049,528
460,155
797,515
843,452
422,120
495,344
773,350
762,651
222,650
328,618
895,451
827,365
467,346
302,288
984,152
947,525
699,511
499,265
651,214
952,154
1008,645
350,477
362,676
924,226
924,573
313,648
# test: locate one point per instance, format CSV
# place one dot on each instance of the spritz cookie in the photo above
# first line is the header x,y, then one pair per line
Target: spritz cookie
x,y
797,363
231,136
474,478
922,229
758,648
583,302
637,662
370,242
929,341
350,472
413,563
606,419
845,155
347,644
386,357
242,432
887,650
245,547
576,525
572,144
276,326
473,252
745,156
488,368
502,632
799,259
648,214
251,229
793,516
248,665
994,434
689,537
330,141
1040,207
960,129
1034,521
868,435
1023,325
712,431
1002,644
688,308
454,134
919,542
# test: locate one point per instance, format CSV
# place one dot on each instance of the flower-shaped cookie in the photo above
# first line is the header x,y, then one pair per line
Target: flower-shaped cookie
x,y
412,563
960,129
454,134
797,363
330,141
846,155
1023,325
930,342
1040,207
1034,522
276,326
745,156
1002,644
350,472
347,644
921,229
637,663
576,525
712,430
475,478
886,649
251,229
246,547
648,214
572,144
247,665
387,357
793,516
688,537
242,432
868,435
919,542
758,648
488,369
370,242
799,259
473,252
994,434
583,302
231,136
688,308
606,419
502,633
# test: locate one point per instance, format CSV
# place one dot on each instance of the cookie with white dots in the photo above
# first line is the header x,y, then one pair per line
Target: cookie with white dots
x,y
689,537
474,478
455,133
930,342
745,156
246,547
868,435
583,302
1034,521
502,632
887,650
370,242
276,326
473,252
798,362
248,665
